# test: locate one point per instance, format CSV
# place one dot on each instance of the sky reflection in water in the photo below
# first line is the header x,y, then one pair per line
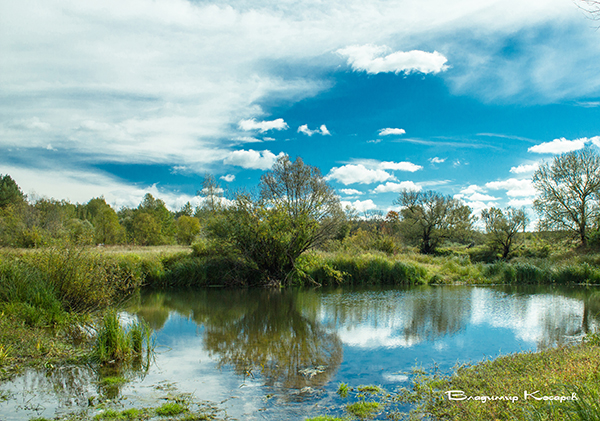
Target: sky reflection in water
x,y
276,354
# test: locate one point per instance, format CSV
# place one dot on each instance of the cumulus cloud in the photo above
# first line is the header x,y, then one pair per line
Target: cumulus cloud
x,y
360,205
251,159
263,126
351,192
436,160
525,168
390,131
513,187
396,187
351,174
378,59
321,130
229,177
558,146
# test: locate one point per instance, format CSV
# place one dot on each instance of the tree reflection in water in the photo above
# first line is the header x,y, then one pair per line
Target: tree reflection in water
x,y
269,333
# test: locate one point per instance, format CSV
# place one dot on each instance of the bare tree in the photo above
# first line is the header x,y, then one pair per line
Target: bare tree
x,y
591,7
569,192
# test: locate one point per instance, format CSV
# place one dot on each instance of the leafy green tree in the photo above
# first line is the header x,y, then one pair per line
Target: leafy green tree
x,y
569,192
146,230
163,216
186,229
295,211
10,192
103,217
429,217
502,227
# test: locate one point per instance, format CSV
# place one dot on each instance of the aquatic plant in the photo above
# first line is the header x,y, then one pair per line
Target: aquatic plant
x,y
115,343
364,410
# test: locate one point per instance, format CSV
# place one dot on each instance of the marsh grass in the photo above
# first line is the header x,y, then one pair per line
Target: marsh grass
x,y
117,344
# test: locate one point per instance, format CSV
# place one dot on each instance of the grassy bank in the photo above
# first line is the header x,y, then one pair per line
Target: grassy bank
x,y
529,383
531,386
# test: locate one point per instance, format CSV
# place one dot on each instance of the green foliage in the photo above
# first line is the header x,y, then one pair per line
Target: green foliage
x,y
116,344
171,409
296,211
343,390
186,229
502,227
569,192
10,192
146,230
430,217
364,410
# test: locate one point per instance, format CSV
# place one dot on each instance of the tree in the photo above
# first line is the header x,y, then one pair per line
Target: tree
x,y
186,229
429,217
10,192
502,227
105,221
146,229
569,192
295,211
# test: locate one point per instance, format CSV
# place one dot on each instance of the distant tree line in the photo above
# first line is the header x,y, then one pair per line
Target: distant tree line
x,y
295,210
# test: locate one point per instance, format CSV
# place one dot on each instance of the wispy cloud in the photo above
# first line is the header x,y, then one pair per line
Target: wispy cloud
x,y
436,160
351,192
513,187
229,178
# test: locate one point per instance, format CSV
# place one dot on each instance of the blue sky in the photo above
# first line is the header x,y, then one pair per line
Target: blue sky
x,y
121,98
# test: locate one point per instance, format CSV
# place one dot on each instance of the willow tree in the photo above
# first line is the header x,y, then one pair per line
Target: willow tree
x,y
569,192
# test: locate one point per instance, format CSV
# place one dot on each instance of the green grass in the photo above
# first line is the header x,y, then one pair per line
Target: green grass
x,y
553,372
171,409
343,390
115,344
364,410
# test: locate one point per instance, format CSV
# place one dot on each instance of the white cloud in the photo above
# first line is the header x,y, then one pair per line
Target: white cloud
x,y
350,174
479,197
251,159
360,205
321,130
351,192
229,177
79,186
375,59
396,187
400,166
263,126
473,188
513,187
436,160
558,146
390,131
525,168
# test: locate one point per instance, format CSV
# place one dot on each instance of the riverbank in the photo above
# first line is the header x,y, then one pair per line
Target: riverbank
x,y
554,384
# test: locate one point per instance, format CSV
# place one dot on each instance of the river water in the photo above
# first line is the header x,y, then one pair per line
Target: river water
x,y
281,354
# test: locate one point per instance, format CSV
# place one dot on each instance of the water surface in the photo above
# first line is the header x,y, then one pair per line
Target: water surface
x,y
280,354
